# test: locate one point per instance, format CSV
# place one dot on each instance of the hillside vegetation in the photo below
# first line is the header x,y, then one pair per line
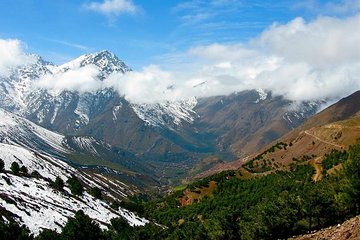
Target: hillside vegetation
x,y
276,205
230,205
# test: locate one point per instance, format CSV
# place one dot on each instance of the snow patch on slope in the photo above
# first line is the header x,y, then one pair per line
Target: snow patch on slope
x,y
116,110
163,114
21,132
37,205
262,95
300,111
86,143
47,166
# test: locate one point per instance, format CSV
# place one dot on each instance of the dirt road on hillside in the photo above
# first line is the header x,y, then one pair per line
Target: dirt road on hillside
x,y
316,163
321,140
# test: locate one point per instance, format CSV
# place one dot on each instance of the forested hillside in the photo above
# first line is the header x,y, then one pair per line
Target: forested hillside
x,y
265,206
277,205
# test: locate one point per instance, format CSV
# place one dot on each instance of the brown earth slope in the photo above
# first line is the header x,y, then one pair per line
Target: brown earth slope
x,y
343,109
336,127
348,230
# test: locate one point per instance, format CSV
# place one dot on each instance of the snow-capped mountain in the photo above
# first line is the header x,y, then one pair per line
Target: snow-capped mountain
x,y
69,111
20,132
31,200
16,87
160,131
118,146
105,61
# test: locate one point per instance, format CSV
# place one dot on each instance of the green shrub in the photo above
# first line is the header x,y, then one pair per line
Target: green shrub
x,y
58,184
24,169
96,192
36,174
48,234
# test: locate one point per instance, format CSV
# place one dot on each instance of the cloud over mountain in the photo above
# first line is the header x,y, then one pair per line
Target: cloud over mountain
x,y
318,59
11,55
300,60
79,79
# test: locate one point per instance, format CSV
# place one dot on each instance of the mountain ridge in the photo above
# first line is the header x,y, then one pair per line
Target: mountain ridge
x,y
187,130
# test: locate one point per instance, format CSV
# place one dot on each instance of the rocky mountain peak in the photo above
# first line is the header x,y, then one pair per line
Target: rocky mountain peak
x,y
106,61
40,60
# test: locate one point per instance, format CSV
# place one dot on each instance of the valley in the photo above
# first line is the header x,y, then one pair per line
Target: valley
x,y
169,163
172,136
183,119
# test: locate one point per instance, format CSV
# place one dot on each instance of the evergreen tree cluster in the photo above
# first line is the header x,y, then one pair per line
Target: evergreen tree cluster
x,y
16,169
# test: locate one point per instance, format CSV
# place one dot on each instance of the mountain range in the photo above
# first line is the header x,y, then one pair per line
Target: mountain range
x,y
170,135
124,148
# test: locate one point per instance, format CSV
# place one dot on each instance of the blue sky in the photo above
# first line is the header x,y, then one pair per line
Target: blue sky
x,y
60,30
301,50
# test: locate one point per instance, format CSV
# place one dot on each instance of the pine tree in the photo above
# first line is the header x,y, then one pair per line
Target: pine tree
x,y
75,186
81,227
15,168
352,172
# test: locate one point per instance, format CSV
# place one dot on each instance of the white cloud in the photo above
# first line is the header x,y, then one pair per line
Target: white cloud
x,y
300,60
12,54
113,7
324,42
84,79
150,85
